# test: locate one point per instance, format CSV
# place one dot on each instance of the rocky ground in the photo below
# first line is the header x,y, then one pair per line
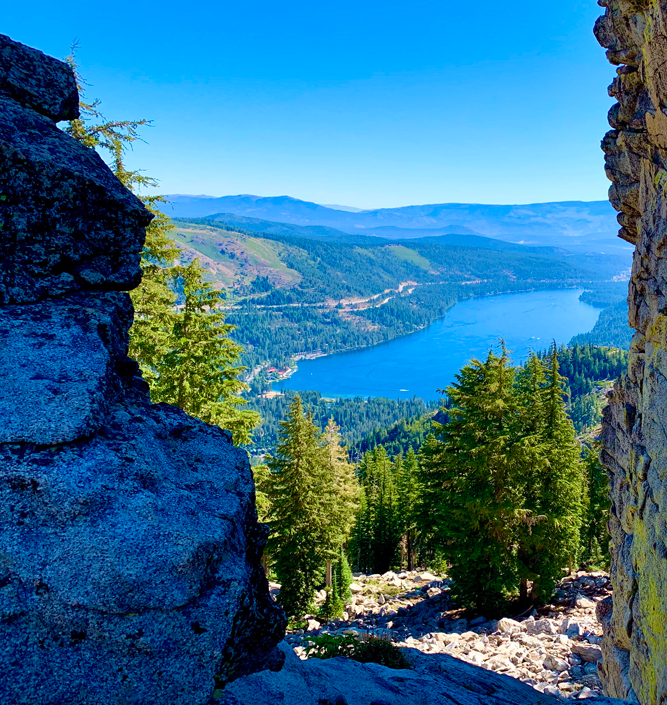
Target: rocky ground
x,y
553,649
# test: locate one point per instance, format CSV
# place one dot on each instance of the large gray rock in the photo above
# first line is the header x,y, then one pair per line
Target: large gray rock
x,y
434,679
129,544
67,223
37,81
634,648
131,564
62,366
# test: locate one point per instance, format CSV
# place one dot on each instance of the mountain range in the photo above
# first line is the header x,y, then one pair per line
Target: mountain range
x,y
578,226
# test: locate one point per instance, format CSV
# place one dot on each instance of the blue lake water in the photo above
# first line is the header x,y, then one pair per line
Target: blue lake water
x,y
421,363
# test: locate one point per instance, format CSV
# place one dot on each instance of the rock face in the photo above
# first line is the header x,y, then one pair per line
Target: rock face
x,y
129,544
635,423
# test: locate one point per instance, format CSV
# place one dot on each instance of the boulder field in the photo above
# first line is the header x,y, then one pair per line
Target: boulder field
x,y
539,657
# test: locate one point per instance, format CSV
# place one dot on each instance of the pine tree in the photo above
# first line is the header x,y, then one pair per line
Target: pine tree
x,y
300,508
596,503
262,476
377,530
361,540
471,500
200,371
344,487
554,499
339,592
406,470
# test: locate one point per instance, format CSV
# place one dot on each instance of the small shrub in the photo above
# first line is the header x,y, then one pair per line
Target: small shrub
x,y
295,623
333,606
361,648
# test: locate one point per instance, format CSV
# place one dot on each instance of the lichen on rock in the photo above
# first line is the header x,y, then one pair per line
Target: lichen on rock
x,y
129,544
634,32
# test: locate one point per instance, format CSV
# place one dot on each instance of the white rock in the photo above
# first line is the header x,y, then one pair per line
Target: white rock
x,y
355,588
585,693
507,625
427,577
531,641
588,652
583,602
470,636
570,627
475,657
540,626
499,663
553,663
447,638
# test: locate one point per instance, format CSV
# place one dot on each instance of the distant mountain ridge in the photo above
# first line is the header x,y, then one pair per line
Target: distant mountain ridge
x,y
574,225
322,232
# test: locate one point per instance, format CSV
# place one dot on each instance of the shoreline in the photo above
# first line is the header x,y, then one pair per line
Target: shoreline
x,y
314,355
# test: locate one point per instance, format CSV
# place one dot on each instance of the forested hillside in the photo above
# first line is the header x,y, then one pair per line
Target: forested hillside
x,y
612,328
291,297
356,417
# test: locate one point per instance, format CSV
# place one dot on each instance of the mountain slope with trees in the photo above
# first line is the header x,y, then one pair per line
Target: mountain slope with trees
x,y
291,297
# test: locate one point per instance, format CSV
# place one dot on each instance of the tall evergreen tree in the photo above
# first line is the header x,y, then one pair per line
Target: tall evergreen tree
x,y
407,470
471,498
549,542
596,503
200,371
377,531
301,503
344,487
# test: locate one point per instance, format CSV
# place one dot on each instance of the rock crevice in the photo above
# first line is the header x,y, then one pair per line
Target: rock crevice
x,y
129,544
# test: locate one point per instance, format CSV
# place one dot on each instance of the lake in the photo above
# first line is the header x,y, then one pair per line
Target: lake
x,y
421,363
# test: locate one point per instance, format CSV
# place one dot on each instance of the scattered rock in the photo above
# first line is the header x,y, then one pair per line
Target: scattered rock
x,y
553,663
584,603
588,652
540,626
538,650
507,625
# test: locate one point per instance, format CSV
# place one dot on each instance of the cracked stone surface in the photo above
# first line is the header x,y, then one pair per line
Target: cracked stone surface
x,y
129,544
634,665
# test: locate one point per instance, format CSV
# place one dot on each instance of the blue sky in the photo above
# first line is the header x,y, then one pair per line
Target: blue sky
x,y
365,103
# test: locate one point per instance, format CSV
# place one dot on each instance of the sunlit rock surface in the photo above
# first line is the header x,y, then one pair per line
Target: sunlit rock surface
x,y
635,425
129,544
